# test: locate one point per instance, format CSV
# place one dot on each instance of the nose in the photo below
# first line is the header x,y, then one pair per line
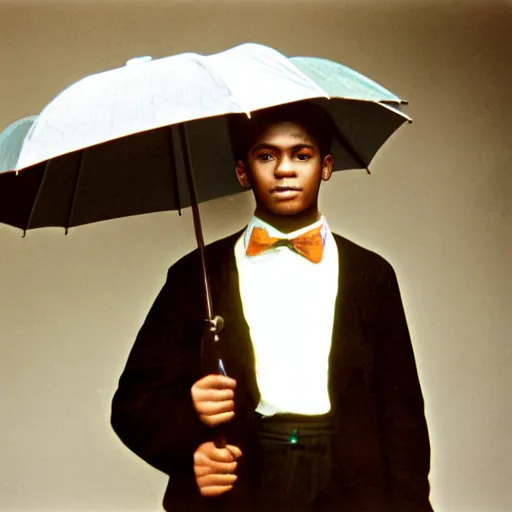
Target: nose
x,y
285,168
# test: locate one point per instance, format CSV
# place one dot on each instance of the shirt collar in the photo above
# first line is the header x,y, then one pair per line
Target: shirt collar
x,y
275,233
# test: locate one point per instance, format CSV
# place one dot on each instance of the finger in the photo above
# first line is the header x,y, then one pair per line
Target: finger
x,y
213,408
234,450
228,463
208,467
220,459
212,394
215,381
215,479
217,419
215,490
220,455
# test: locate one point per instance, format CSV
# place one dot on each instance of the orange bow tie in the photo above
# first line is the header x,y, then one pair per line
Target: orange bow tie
x,y
310,244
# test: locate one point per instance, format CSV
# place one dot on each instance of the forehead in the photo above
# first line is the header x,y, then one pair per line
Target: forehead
x,y
284,133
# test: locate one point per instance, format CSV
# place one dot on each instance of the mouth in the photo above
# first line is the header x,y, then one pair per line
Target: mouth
x,y
285,193
284,189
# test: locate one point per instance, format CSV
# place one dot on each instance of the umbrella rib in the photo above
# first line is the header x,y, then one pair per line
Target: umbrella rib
x,y
174,174
75,190
36,200
217,76
197,219
348,146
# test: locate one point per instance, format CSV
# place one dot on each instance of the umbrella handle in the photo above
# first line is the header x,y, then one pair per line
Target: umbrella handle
x,y
219,439
212,363
216,326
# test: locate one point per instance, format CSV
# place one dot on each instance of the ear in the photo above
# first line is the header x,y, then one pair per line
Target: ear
x,y
327,167
242,175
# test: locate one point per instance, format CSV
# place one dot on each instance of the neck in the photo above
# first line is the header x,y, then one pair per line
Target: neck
x,y
288,223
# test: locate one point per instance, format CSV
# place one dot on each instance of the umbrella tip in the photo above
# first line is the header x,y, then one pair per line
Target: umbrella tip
x,y
138,60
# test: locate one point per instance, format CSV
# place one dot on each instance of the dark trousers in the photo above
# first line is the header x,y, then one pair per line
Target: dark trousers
x,y
294,463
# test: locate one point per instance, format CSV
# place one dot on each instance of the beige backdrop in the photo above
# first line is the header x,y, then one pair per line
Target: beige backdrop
x,y
437,206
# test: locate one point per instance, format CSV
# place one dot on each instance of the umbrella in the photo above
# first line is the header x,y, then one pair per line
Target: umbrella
x,y
154,136
11,141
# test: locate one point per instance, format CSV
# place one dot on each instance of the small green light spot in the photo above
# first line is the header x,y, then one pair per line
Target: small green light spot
x,y
294,438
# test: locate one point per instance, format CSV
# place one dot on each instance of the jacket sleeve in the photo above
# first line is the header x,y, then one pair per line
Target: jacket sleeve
x,y
152,410
405,437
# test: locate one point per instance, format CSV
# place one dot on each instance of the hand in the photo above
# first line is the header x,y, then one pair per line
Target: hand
x,y
214,468
213,398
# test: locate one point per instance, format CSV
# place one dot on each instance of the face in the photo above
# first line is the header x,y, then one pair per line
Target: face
x,y
284,169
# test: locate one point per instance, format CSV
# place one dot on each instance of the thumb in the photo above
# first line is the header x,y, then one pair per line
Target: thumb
x,y
235,451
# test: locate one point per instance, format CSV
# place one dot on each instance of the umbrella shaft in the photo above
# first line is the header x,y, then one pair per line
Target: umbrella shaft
x,y
197,219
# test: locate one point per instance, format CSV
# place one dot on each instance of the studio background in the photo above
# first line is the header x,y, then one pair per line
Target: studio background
x,y
437,206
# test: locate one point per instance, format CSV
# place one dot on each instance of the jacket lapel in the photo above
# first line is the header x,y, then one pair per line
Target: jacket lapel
x,y
351,352
236,345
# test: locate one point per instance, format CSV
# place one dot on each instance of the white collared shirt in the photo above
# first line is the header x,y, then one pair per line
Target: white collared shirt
x,y
288,303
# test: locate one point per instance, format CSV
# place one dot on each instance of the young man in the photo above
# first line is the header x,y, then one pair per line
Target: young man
x,y
322,407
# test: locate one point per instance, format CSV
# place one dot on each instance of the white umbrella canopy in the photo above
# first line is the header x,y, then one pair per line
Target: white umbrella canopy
x,y
149,94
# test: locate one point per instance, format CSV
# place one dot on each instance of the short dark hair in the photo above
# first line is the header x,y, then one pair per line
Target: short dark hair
x,y
244,131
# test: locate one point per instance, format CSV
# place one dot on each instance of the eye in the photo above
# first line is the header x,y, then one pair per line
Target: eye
x,y
303,157
264,157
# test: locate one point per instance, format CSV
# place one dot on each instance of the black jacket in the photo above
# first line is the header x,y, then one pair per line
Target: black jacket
x,y
383,449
